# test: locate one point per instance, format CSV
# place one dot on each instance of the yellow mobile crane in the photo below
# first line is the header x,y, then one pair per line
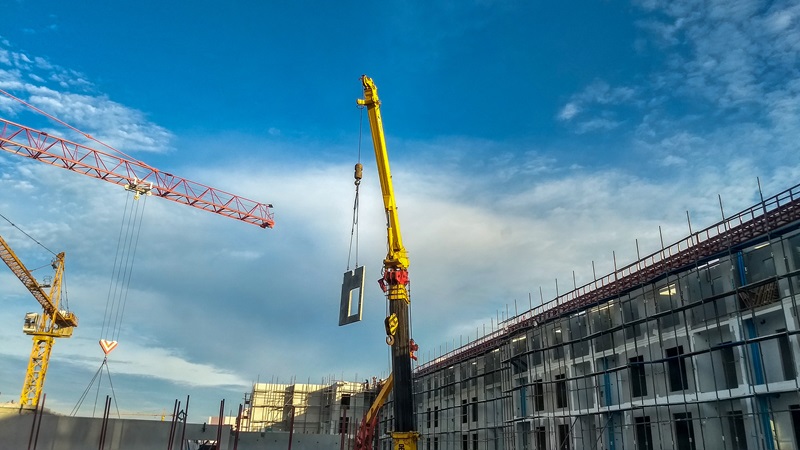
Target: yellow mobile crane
x,y
52,323
394,282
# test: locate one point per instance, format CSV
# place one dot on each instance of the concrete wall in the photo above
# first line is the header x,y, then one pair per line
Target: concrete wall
x,y
81,433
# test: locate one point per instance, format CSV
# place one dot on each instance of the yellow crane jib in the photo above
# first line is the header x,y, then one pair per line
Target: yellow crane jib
x,y
394,282
366,432
54,322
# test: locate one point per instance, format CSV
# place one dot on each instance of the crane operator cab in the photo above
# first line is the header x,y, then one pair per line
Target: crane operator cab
x,y
31,323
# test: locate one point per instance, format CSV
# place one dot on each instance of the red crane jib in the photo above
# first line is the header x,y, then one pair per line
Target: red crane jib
x,y
24,141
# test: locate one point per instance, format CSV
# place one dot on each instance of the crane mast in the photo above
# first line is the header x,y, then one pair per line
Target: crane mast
x,y
54,322
394,282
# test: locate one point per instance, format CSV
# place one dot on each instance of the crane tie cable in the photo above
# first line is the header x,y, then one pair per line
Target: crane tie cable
x,y
26,234
86,135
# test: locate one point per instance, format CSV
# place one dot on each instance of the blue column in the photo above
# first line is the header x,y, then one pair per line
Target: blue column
x,y
612,445
758,370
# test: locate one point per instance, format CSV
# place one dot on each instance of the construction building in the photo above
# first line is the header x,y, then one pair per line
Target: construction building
x,y
692,347
331,408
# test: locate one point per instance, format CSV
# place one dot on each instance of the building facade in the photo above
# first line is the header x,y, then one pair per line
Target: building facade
x,y
692,347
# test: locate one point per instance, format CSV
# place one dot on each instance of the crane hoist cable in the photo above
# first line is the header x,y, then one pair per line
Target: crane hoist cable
x,y
119,287
358,171
122,269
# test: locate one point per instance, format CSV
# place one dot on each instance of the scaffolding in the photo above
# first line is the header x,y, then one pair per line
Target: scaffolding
x,y
334,407
692,347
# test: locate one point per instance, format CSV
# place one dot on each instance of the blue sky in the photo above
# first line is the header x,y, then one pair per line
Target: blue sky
x,y
527,141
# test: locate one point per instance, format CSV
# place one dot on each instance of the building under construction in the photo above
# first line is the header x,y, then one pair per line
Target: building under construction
x,y
331,408
692,347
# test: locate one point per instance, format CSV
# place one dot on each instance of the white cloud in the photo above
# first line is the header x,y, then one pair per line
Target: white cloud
x,y
596,101
568,111
596,124
120,127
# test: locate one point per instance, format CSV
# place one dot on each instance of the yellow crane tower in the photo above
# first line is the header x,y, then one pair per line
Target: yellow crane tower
x,y
52,323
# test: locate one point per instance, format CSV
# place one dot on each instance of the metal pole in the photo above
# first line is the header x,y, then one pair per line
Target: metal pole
x,y
238,423
172,424
104,423
219,427
291,428
185,416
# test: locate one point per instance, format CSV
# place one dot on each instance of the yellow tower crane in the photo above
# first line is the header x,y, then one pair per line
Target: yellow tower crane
x,y
52,323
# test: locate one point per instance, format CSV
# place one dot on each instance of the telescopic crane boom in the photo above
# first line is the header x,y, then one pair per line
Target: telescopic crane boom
x,y
395,282
54,322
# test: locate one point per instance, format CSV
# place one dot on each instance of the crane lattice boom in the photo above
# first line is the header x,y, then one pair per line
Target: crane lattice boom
x,y
8,256
55,322
38,145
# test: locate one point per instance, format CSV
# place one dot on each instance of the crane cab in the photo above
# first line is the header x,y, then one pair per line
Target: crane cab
x,y
31,324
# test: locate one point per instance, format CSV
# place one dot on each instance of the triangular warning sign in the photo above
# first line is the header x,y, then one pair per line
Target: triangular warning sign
x,y
107,346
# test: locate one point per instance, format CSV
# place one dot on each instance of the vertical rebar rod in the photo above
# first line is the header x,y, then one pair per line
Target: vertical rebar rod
x,y
219,424
172,424
104,423
238,427
291,427
185,418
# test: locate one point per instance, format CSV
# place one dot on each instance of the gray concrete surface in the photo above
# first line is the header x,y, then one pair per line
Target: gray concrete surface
x,y
82,433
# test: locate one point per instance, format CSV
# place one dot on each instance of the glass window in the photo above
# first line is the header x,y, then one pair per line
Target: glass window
x,y
759,264
536,345
563,437
541,438
630,313
561,391
558,340
677,369
666,299
538,395
601,322
738,433
638,378
644,434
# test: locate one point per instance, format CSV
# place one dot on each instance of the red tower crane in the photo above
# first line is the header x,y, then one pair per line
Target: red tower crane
x,y
133,175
